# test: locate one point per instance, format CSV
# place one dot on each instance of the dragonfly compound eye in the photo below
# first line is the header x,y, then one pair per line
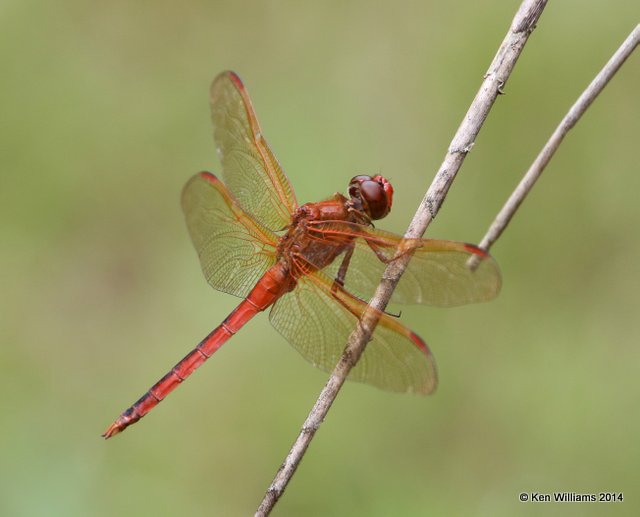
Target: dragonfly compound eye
x,y
375,194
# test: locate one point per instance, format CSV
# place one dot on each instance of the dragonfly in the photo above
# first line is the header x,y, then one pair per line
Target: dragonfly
x,y
312,265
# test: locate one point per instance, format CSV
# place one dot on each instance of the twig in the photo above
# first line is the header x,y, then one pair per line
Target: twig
x,y
499,71
571,118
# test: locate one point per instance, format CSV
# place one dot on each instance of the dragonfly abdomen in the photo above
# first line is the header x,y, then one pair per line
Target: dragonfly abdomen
x,y
269,288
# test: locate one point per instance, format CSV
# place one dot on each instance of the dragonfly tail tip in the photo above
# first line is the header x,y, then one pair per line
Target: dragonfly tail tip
x,y
111,431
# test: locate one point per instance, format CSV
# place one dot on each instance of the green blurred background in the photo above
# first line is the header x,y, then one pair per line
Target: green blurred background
x,y
105,117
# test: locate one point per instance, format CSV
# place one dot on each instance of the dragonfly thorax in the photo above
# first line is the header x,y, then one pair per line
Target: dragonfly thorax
x,y
318,233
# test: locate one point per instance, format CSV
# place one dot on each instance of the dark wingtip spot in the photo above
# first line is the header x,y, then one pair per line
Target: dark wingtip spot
x,y
472,248
209,177
419,342
236,80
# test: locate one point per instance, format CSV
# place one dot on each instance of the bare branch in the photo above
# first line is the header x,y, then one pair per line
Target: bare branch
x,y
499,71
571,118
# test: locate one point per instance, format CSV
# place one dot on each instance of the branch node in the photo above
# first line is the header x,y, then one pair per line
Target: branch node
x,y
465,149
500,81
310,429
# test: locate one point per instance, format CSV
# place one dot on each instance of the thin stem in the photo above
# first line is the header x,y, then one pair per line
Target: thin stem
x,y
571,118
494,80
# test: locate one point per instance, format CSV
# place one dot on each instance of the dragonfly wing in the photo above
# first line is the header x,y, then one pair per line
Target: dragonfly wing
x,y
318,322
438,273
249,168
234,250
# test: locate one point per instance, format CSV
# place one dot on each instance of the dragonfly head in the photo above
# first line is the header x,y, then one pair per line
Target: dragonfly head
x,y
373,194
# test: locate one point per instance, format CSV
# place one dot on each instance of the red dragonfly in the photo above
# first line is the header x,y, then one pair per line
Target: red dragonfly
x,y
313,265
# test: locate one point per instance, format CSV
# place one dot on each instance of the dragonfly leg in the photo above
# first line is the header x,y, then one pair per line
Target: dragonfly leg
x,y
381,256
338,281
342,272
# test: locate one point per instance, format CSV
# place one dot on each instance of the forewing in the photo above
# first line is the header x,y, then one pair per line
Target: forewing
x,y
249,168
318,322
234,250
438,274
